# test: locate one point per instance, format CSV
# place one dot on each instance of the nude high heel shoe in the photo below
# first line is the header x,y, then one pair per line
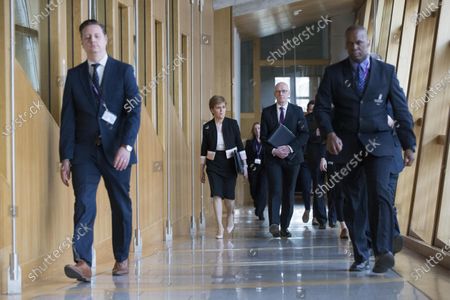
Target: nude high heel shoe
x,y
230,222
219,234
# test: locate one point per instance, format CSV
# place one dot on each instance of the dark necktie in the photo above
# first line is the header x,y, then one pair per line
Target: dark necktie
x,y
95,83
361,79
281,115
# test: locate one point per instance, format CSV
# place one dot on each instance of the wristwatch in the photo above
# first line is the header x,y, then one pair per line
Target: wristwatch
x,y
128,148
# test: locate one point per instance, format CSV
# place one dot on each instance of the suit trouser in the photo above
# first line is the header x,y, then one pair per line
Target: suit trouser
x,y
86,177
393,179
282,179
305,181
378,210
258,189
319,206
335,198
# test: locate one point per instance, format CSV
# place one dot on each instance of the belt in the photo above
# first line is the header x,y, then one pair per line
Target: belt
x,y
98,141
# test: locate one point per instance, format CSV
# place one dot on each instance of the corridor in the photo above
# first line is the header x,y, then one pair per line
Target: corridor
x,y
250,264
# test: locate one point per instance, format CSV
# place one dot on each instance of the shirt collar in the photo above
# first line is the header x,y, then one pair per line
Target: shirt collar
x,y
284,106
101,62
365,63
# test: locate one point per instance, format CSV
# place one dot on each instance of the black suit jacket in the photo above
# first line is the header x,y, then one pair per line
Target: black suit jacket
x,y
231,136
315,148
81,121
295,121
252,154
360,120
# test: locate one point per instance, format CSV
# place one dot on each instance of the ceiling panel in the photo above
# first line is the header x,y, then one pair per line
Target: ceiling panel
x,y
266,17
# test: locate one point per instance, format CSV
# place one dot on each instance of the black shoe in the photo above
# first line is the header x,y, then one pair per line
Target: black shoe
x,y
359,267
285,233
322,226
397,244
314,221
332,225
274,230
383,263
261,217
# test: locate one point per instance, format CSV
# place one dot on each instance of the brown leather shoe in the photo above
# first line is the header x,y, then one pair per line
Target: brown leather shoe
x,y
120,268
81,271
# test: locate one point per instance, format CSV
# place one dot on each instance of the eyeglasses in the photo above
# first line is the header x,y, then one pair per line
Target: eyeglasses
x,y
282,91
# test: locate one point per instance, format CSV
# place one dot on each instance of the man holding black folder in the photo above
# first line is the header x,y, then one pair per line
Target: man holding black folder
x,y
284,132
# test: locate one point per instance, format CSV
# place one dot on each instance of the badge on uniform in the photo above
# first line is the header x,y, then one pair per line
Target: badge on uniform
x,y
257,161
109,117
380,100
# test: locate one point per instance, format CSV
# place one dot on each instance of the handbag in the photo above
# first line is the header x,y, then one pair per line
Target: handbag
x,y
238,163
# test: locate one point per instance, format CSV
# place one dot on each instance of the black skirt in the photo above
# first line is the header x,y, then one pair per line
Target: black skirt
x,y
221,176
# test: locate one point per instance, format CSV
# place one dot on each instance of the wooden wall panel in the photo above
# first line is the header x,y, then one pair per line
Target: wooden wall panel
x,y
223,56
46,205
79,15
395,32
437,117
112,28
378,21
385,25
430,153
58,52
406,181
407,44
418,83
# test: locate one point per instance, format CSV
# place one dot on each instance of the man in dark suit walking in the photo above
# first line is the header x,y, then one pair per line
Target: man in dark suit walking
x,y
283,162
96,140
360,88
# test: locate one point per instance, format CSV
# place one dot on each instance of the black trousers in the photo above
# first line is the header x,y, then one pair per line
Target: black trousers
x,y
377,209
258,189
282,179
335,197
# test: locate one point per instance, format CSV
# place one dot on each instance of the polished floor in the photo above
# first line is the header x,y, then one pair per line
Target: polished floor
x,y
250,264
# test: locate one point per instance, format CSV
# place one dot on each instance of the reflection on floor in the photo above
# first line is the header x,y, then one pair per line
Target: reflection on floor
x,y
248,264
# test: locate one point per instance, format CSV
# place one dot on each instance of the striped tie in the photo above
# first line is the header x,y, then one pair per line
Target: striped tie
x,y
96,84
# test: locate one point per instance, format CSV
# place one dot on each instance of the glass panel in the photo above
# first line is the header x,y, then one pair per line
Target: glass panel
x,y
28,17
302,87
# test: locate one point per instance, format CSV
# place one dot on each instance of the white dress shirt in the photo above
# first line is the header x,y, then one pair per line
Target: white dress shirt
x,y
100,68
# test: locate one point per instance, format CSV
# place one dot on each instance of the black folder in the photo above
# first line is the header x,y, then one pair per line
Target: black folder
x,y
281,136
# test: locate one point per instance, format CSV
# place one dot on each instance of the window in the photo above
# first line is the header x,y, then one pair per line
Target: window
x,y
28,21
302,91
